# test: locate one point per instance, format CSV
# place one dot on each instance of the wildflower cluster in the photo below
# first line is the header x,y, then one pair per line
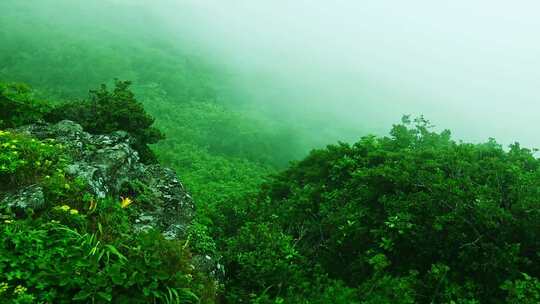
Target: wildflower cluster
x,y
67,209
19,290
24,159
19,294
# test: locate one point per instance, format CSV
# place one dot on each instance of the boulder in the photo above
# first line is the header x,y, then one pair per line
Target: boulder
x,y
108,163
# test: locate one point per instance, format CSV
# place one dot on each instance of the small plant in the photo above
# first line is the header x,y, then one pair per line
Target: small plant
x,y
25,160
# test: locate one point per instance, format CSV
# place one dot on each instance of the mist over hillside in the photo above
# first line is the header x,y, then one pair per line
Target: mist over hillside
x,y
261,152
468,66
344,68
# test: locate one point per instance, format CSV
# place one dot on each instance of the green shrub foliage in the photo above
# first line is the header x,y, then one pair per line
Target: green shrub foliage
x,y
117,110
411,218
24,160
79,249
18,105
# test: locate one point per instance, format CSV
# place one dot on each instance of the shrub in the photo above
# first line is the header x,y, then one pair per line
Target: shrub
x,y
414,217
523,291
24,160
18,106
139,268
108,111
262,259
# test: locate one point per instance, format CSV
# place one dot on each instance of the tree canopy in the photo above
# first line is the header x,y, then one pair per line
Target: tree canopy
x,y
414,217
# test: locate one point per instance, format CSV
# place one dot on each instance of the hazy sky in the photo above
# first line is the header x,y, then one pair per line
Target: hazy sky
x,y
471,66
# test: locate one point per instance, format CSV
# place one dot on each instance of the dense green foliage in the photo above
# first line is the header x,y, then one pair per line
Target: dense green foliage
x,y
410,218
106,112
24,160
78,248
18,106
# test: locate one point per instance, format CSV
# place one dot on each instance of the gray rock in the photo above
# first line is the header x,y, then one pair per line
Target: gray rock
x,y
22,200
107,163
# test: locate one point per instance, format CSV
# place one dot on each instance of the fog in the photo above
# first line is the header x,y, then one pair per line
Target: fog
x,y
470,66
345,68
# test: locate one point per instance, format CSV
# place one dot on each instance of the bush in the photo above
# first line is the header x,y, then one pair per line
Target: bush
x,y
135,269
24,160
18,106
262,259
108,111
523,291
411,218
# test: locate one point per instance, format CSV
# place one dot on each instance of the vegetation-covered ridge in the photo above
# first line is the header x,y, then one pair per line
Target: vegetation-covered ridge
x,y
411,217
82,220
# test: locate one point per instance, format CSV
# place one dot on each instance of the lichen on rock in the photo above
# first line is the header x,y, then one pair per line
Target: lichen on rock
x,y
107,163
30,197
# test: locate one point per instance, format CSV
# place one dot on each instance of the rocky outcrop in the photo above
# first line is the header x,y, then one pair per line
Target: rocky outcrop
x,y
109,166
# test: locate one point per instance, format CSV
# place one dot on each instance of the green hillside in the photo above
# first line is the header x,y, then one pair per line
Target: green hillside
x,y
414,216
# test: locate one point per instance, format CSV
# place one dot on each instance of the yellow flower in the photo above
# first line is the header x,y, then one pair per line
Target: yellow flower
x,y
20,289
3,287
65,208
8,221
93,205
126,201
74,211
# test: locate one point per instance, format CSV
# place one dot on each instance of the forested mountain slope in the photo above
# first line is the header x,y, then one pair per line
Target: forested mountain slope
x,y
411,217
414,217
